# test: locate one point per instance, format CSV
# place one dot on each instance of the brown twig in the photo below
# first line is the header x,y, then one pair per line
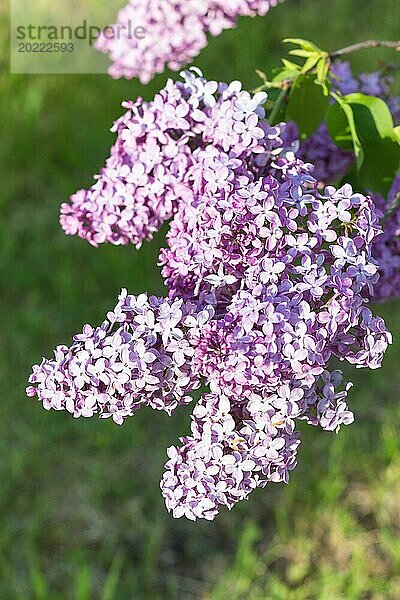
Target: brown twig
x,y
395,45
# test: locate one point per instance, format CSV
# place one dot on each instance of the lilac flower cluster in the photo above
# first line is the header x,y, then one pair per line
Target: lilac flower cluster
x,y
331,164
141,354
268,277
225,458
174,32
239,445
282,295
162,149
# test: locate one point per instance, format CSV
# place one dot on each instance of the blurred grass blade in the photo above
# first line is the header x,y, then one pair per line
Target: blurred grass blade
x,y
38,582
83,583
113,577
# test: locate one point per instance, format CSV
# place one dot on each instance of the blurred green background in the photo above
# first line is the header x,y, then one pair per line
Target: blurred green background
x,y
81,512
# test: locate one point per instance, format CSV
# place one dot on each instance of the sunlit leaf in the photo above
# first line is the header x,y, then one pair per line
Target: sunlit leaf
x,y
307,105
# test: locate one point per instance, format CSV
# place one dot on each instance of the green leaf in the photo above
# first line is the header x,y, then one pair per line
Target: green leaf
x,y
303,53
341,126
304,44
307,105
396,133
311,62
284,74
372,113
379,166
288,64
351,177
364,124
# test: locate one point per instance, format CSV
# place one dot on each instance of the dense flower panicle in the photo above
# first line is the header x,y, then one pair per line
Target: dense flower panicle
x,y
161,149
331,164
269,276
289,267
238,445
277,228
141,355
225,458
274,289
173,32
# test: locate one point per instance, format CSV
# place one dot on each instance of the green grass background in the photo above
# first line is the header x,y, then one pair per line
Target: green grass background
x,y
81,512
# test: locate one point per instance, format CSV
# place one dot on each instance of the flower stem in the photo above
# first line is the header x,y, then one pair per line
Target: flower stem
x,y
278,103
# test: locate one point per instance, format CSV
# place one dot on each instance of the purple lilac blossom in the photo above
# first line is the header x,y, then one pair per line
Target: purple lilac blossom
x,y
172,32
229,454
273,289
141,354
237,446
331,164
161,149
269,277
281,259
